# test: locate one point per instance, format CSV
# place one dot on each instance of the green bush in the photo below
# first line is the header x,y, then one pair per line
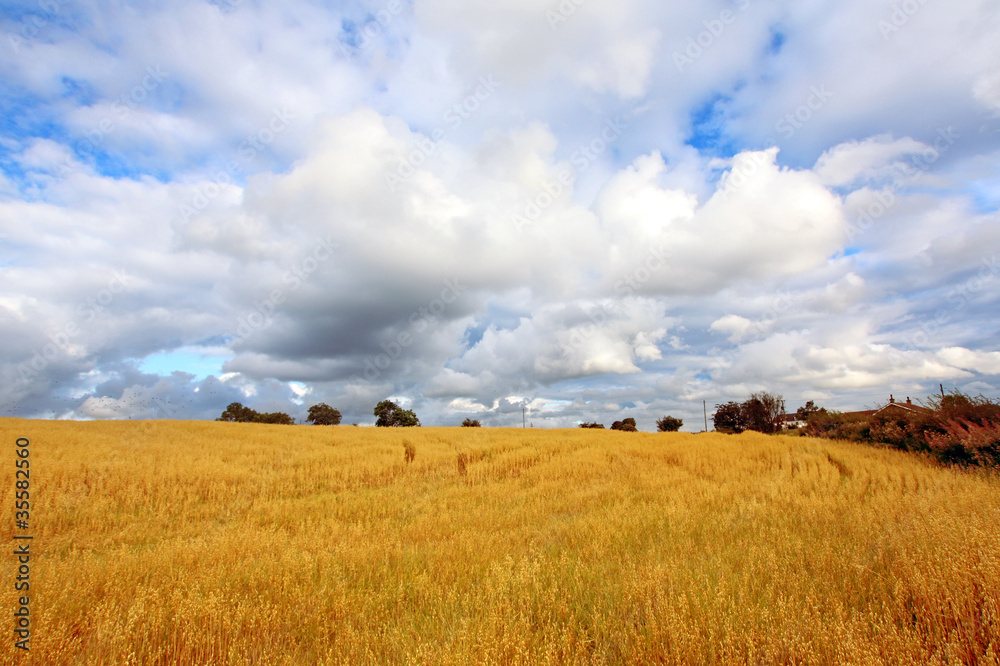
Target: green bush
x,y
391,415
323,414
237,413
669,424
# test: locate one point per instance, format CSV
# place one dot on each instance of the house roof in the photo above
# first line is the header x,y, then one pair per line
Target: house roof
x,y
907,406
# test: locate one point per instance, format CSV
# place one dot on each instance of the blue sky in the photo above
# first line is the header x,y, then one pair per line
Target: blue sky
x,y
591,210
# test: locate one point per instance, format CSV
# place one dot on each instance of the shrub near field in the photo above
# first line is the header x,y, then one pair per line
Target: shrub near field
x,y
191,542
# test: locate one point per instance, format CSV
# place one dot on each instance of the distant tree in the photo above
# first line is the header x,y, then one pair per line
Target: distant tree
x,y
803,413
761,412
669,424
755,414
391,415
625,425
764,412
471,423
729,418
237,413
278,418
323,414
407,419
592,425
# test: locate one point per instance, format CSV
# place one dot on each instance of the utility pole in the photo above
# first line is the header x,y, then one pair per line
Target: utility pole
x,y
942,390
522,416
704,408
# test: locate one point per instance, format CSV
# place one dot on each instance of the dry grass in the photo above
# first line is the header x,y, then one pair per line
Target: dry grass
x,y
200,543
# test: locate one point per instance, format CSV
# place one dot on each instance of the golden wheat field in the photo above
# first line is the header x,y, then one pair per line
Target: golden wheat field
x,y
161,542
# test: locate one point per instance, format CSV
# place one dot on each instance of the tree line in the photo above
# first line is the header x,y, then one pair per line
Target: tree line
x,y
665,424
954,429
388,414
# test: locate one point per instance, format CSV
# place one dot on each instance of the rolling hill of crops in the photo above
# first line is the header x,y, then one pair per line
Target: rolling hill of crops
x,y
160,542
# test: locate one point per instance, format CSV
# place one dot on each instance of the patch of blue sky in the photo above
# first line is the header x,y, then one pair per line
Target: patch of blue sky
x,y
552,404
24,119
213,341
709,134
79,92
24,115
29,21
227,6
500,318
382,27
349,32
14,14
474,334
849,251
200,363
985,196
12,168
778,40
132,166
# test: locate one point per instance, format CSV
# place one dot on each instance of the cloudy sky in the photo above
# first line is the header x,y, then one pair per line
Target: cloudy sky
x,y
590,209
